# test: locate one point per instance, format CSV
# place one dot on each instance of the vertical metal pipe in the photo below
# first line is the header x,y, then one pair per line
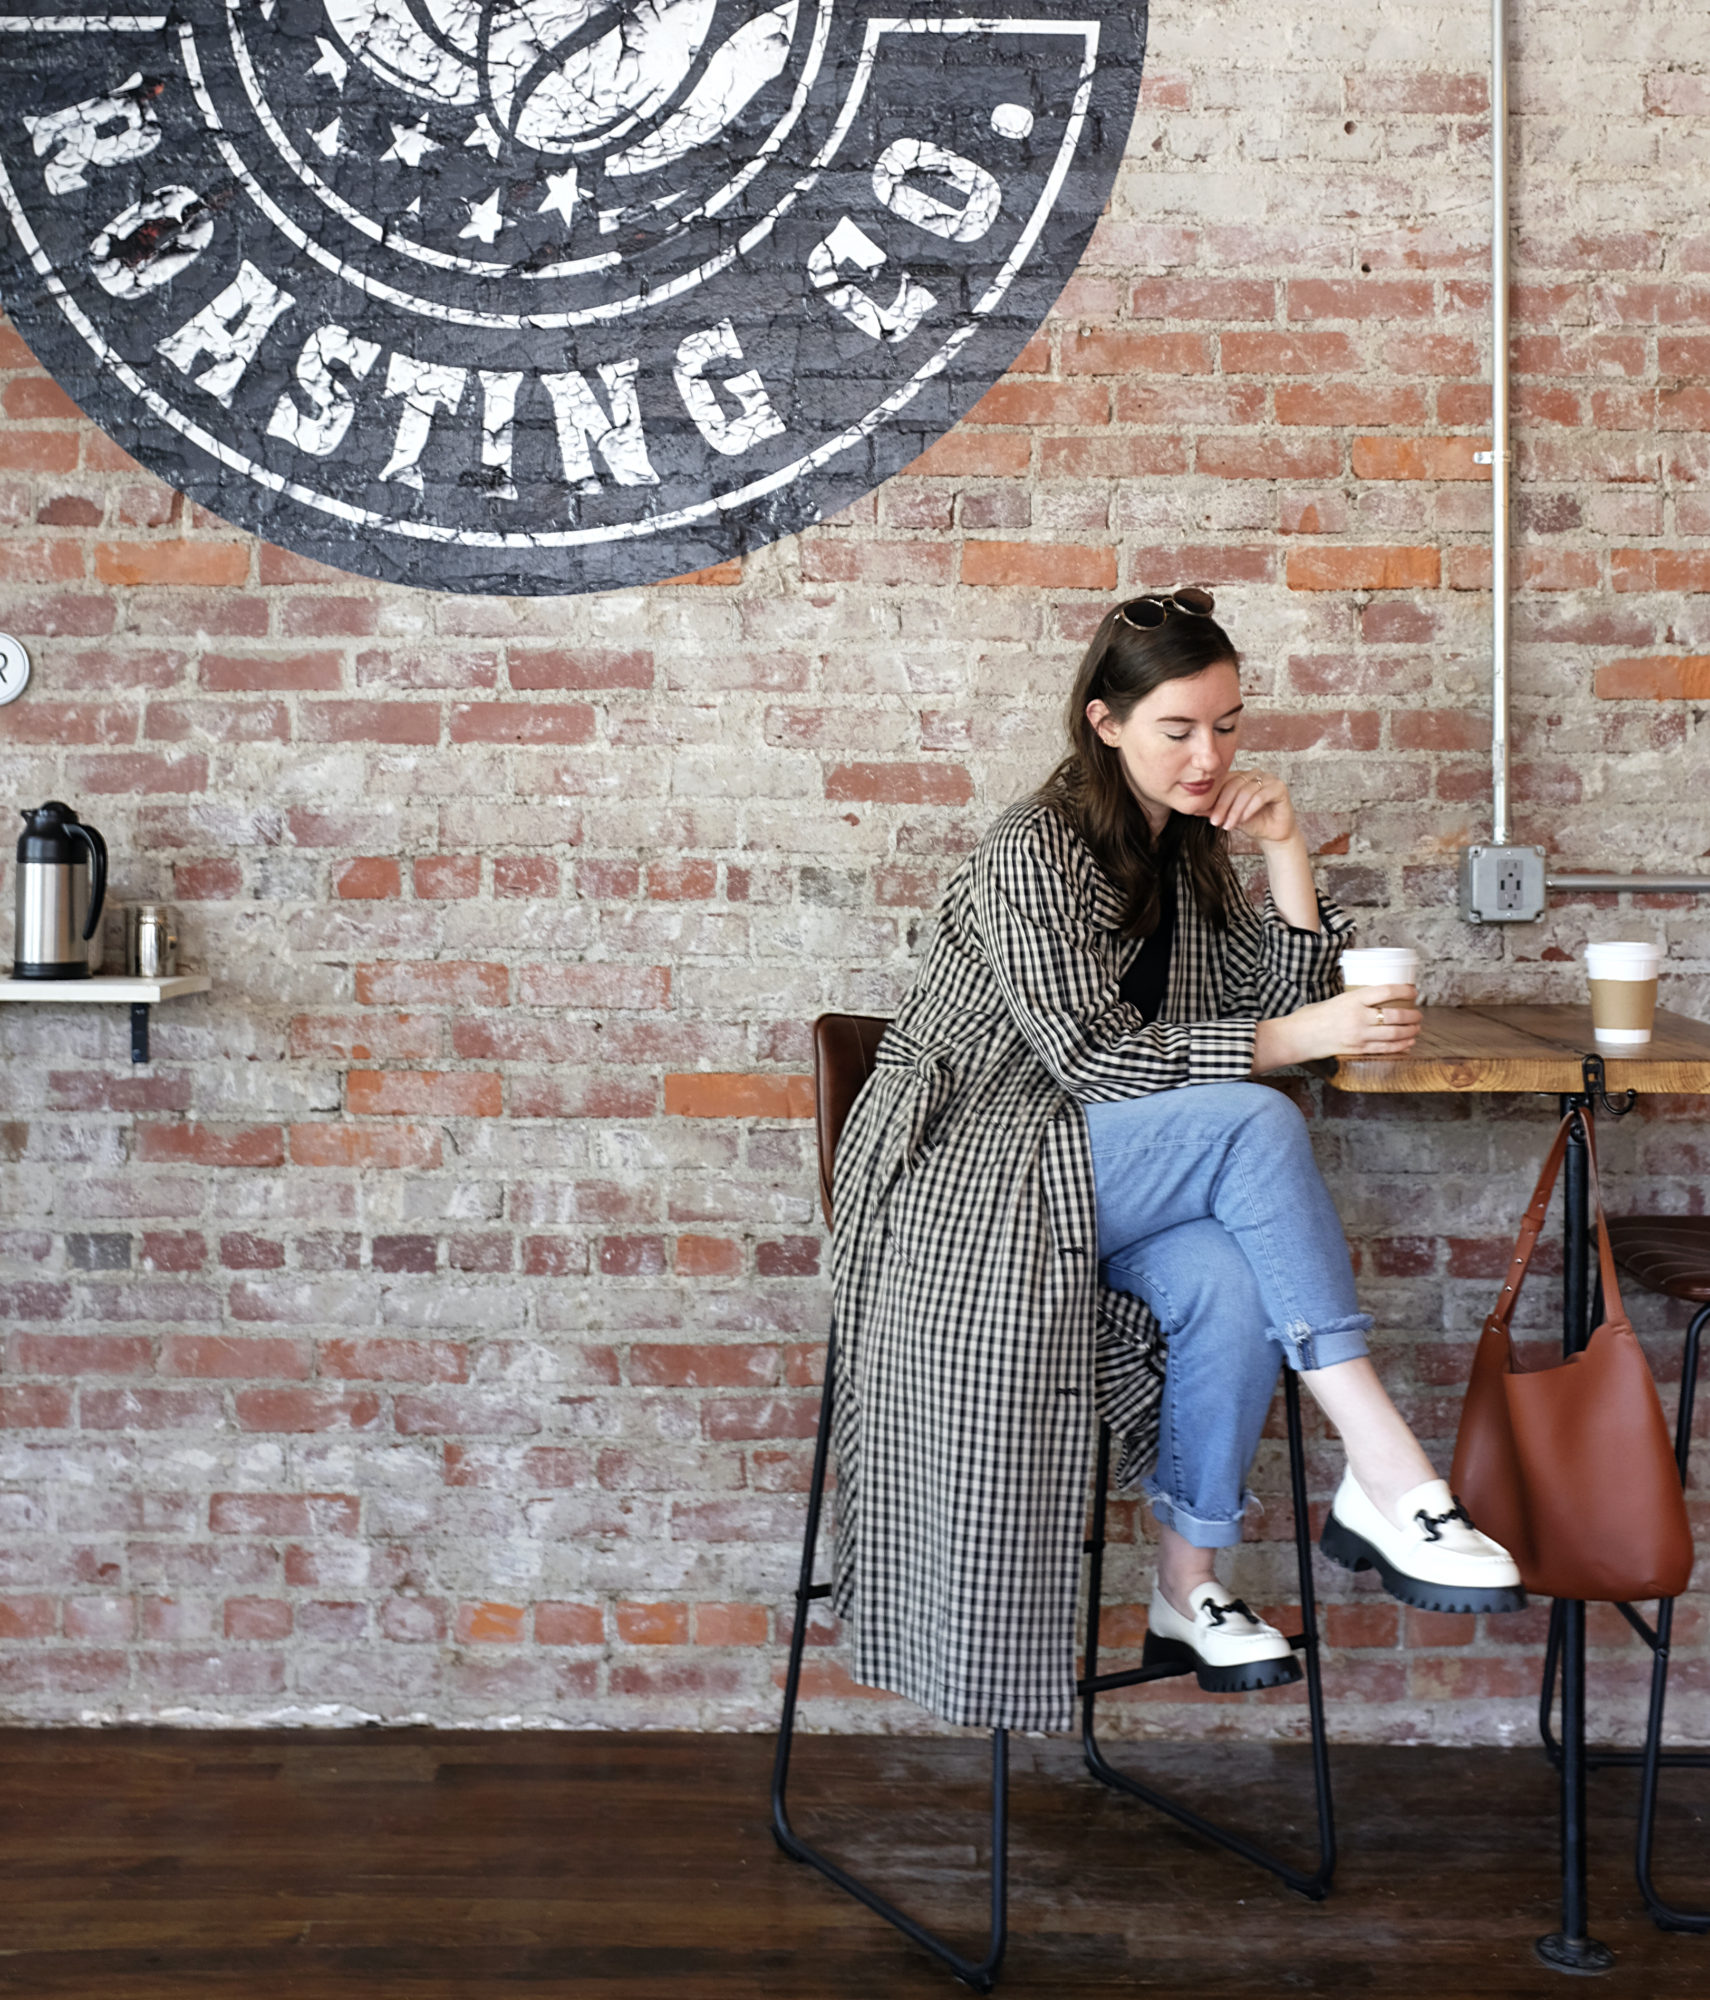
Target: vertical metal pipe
x,y
1499,584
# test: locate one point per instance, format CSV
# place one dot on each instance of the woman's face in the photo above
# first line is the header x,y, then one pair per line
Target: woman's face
x,y
1177,744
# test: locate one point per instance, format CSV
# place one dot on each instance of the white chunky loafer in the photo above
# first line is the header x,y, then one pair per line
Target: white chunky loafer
x,y
1230,1650
1435,1559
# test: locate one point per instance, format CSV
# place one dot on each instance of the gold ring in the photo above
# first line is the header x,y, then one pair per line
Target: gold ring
x,y
1382,1020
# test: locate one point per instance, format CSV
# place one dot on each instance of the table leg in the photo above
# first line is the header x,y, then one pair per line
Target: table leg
x,y
1570,1949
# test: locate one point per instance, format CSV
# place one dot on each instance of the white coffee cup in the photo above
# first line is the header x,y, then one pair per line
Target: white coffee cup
x,y
1380,965
1623,980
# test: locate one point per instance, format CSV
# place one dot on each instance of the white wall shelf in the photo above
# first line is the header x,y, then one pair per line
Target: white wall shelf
x,y
113,988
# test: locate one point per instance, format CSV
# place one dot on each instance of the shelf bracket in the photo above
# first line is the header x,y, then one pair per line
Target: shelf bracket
x,y
139,1031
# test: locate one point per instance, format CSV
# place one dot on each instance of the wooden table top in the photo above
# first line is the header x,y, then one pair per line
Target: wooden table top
x,y
1529,1048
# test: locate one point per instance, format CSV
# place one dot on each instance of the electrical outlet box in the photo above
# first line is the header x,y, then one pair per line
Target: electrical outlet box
x,y
1502,885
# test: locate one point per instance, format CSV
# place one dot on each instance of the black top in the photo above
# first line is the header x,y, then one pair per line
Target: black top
x,y
1147,980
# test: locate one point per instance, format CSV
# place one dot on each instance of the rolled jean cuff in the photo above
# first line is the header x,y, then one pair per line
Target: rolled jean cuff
x,y
1203,1532
1308,1347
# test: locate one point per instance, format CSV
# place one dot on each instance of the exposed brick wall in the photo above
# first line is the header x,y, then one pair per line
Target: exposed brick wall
x,y
433,1328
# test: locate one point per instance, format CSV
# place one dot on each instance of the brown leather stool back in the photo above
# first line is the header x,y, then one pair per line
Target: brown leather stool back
x,y
843,1050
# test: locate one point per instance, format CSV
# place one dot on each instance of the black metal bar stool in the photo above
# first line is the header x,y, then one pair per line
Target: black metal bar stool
x,y
844,1048
1668,1254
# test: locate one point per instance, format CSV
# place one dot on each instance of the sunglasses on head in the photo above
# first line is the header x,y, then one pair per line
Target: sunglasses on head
x,y
1146,614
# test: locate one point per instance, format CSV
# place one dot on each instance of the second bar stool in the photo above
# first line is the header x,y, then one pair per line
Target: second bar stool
x,y
1668,1254
844,1049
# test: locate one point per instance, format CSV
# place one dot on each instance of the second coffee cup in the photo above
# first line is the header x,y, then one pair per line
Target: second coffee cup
x,y
1623,980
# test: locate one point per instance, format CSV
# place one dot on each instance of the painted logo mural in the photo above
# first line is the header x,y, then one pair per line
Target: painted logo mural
x,y
546,295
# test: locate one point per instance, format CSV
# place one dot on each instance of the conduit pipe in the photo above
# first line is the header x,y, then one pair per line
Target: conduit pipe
x,y
1501,586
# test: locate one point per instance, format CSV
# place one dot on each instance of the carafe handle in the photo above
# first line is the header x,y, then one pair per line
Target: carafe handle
x,y
97,873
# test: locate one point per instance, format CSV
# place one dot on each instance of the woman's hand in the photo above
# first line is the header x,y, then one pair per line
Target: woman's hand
x,y
1370,1021
1257,803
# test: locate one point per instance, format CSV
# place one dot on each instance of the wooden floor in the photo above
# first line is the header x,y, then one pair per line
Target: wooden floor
x,y
409,1865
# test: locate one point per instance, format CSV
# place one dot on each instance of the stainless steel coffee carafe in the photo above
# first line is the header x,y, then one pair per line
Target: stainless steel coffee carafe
x,y
62,885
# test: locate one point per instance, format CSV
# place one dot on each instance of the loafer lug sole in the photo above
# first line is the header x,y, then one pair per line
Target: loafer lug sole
x,y
1248,1677
1354,1552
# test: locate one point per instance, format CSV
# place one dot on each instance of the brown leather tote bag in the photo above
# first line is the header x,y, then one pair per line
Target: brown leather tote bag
x,y
1570,1467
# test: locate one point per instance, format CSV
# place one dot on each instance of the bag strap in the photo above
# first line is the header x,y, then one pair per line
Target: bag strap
x,y
1532,1224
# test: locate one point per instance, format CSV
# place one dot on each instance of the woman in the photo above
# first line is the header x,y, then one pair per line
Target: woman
x,y
1061,1186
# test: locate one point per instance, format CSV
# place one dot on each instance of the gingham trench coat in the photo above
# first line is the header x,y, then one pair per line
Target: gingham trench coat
x,y
973,1337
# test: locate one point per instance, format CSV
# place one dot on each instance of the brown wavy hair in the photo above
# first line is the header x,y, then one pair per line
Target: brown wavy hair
x,y
1121,667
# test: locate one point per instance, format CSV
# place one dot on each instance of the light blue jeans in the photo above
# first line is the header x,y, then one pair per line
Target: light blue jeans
x,y
1211,1209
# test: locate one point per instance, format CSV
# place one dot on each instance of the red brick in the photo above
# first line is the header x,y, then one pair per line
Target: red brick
x,y
89,1091
251,1359
1038,566
369,722
731,1625
380,1360
521,722
705,1094
1343,405
653,1624
406,1253
448,877
211,1145
1343,568
1678,677
444,982
584,667
370,879
843,559
1288,354
682,881
292,673
1122,351
198,565
525,875
68,722
971,455
1418,458
80,1354
260,1618
718,1366
28,1617
631,1256
423,1093
1047,405
32,1300
1143,456
554,1257
307,1409
581,1097
366,1037
141,771
34,1406
1269,457
38,451
1439,93
788,1257
708,1257
397,1147
1217,299
490,1624
560,1624
285,1514
207,881
173,1250
242,1251
150,1409
645,987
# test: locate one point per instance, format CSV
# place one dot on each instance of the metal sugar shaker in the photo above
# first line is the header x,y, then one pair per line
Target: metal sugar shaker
x,y
156,941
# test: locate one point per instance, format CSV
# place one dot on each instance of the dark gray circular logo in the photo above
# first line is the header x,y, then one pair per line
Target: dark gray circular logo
x,y
546,295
